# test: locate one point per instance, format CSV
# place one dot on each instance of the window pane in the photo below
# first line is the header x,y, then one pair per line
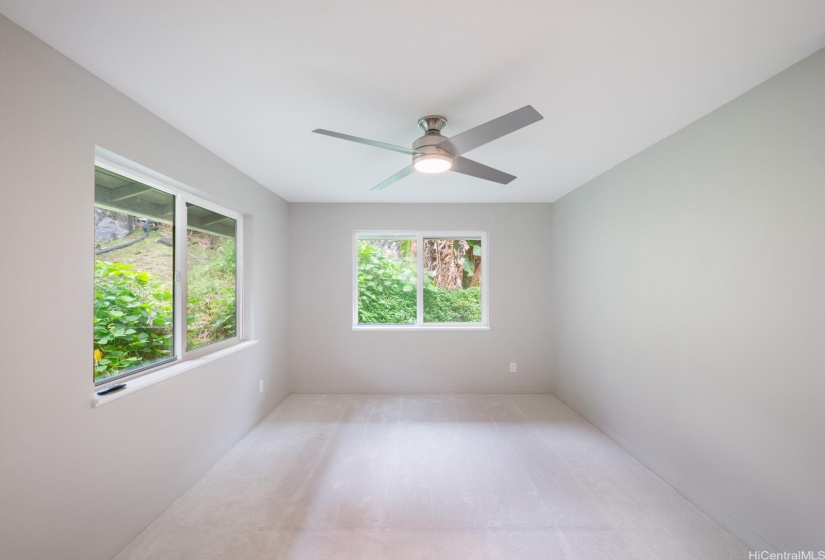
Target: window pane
x,y
452,282
386,281
211,277
133,281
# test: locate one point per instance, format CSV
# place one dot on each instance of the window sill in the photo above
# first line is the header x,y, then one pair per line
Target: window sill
x,y
420,328
170,371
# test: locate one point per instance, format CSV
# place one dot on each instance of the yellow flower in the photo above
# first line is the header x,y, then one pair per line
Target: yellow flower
x,y
98,355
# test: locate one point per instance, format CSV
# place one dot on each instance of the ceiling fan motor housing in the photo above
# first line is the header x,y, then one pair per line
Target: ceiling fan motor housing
x,y
427,144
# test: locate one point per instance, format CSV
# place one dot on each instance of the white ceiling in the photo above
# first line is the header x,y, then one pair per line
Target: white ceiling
x,y
250,79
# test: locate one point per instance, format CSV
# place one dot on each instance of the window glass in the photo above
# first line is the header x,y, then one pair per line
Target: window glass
x,y
133,276
211,277
452,283
387,289
447,293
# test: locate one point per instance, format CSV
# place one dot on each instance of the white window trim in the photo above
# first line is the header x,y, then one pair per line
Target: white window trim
x,y
419,236
183,359
172,369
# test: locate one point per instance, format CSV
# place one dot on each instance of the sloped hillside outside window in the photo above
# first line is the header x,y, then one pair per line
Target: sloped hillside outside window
x,y
211,277
166,274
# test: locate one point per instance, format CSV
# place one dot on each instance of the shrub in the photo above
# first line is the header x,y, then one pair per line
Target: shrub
x,y
132,318
386,287
211,298
452,306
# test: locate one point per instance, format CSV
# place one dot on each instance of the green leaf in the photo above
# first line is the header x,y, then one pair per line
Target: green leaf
x,y
469,267
477,250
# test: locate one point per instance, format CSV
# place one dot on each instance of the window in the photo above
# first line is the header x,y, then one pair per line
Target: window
x,y
449,292
211,278
165,274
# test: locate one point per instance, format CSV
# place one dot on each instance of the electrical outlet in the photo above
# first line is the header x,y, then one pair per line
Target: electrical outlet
x,y
261,386
513,367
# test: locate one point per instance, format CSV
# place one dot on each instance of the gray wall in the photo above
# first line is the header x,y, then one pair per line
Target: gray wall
x,y
77,482
689,290
326,355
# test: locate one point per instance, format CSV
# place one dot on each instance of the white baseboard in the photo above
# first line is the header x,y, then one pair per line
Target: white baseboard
x,y
696,496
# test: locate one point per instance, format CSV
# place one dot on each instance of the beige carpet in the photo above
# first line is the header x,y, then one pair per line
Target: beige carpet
x,y
430,477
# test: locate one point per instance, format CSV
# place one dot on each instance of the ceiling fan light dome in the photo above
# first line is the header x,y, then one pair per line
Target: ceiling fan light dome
x,y
433,163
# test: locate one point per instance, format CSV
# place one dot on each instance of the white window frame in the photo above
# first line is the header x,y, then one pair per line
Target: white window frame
x,y
420,236
183,195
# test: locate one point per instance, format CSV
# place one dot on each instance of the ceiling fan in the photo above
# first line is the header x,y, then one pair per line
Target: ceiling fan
x,y
435,153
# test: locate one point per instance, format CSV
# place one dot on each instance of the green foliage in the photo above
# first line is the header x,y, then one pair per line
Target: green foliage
x,y
387,291
211,296
472,256
132,318
452,306
386,286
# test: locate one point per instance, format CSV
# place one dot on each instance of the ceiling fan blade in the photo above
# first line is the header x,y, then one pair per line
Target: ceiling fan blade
x,y
397,177
375,143
489,131
474,169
